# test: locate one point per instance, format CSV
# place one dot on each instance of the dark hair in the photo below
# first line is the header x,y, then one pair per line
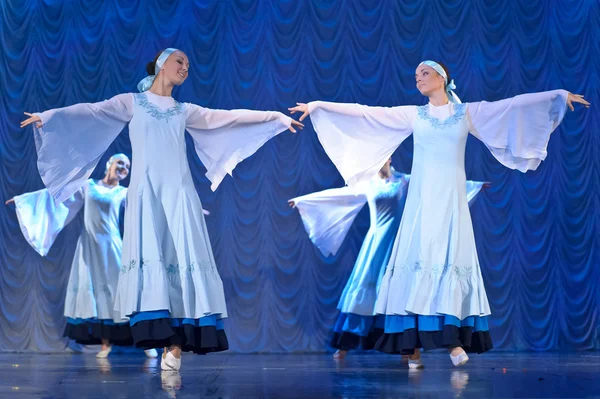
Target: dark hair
x,y
151,66
447,73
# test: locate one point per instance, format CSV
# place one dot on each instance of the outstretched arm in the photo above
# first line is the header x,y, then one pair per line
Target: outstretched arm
x,y
206,119
327,215
517,130
225,138
41,218
358,139
70,141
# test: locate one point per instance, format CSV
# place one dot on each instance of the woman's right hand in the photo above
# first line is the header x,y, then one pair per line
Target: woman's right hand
x,y
300,107
291,203
32,119
9,201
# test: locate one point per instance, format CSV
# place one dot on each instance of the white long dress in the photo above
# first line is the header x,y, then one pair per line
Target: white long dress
x,y
432,292
89,302
169,284
327,217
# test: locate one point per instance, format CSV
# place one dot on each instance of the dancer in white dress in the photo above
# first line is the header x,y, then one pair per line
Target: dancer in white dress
x,y
327,217
89,303
432,293
169,285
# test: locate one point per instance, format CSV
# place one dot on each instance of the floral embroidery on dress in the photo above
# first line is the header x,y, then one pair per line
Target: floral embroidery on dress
x,y
128,267
437,269
459,113
411,267
156,112
171,269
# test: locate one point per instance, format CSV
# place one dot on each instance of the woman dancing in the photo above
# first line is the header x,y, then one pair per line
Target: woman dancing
x,y
432,293
89,303
169,285
327,217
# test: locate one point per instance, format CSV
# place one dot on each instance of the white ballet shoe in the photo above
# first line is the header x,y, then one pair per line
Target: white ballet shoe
x,y
460,360
169,362
340,354
103,354
151,353
416,364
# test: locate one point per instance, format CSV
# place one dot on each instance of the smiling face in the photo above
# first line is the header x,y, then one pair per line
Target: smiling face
x,y
175,69
428,80
119,168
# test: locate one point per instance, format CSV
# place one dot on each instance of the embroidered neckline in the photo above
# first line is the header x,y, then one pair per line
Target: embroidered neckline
x,y
156,112
459,113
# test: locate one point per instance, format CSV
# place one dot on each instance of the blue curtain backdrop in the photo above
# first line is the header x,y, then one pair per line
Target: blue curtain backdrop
x,y
537,233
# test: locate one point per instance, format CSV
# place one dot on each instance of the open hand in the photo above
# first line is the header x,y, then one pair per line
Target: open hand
x,y
576,98
300,107
32,119
297,125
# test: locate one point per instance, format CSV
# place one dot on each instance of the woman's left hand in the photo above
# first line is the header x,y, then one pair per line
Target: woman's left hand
x,y
576,98
300,107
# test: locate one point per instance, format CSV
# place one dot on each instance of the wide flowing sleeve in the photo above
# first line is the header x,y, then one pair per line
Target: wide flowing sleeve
x,y
473,190
328,215
72,140
360,139
517,130
225,138
41,218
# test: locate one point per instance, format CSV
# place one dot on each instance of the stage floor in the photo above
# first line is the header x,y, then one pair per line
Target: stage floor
x,y
132,375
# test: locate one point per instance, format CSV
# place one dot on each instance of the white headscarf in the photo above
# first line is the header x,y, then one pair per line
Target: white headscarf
x,y
450,86
146,83
112,159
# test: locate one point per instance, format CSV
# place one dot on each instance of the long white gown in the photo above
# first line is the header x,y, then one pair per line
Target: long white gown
x,y
169,285
432,292
327,217
89,302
